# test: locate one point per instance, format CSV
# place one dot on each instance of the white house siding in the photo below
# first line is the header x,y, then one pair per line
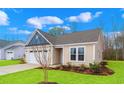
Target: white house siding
x,y
8,55
19,52
2,54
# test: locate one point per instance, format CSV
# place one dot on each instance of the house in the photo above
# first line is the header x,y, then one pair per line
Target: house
x,y
11,49
82,47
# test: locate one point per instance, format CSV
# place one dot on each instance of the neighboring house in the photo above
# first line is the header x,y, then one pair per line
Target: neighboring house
x,y
77,48
11,49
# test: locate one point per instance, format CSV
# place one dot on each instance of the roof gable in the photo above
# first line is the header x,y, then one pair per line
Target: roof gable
x,y
37,39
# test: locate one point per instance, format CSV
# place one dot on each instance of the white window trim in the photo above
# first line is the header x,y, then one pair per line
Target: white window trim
x,y
63,56
76,53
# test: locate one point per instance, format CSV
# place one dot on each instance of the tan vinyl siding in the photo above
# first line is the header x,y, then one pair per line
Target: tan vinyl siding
x,y
88,55
99,49
56,56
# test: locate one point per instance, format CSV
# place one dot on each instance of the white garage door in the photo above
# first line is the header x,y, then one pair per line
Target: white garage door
x,y
9,55
32,57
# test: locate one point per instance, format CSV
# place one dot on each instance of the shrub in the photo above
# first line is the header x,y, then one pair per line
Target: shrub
x,y
95,67
82,67
103,63
69,65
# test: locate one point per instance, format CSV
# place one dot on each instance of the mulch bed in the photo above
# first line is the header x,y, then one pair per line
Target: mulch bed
x,y
103,71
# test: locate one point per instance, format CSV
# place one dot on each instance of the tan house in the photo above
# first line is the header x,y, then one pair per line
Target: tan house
x,y
82,47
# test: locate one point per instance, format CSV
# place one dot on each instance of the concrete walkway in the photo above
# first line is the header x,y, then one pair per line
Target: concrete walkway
x,y
16,68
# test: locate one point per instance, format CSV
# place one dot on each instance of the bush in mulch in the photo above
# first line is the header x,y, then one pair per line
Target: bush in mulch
x,y
94,69
103,64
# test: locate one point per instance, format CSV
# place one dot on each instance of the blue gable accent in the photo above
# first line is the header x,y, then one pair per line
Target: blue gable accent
x,y
37,40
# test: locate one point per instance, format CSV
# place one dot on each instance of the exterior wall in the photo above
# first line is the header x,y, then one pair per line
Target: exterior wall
x,y
88,55
92,53
9,50
19,52
99,49
56,56
2,54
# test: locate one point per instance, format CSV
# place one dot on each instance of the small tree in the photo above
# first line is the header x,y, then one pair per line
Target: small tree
x,y
74,26
56,31
42,55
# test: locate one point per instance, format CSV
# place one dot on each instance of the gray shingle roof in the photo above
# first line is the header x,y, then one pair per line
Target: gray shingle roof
x,y
76,37
4,43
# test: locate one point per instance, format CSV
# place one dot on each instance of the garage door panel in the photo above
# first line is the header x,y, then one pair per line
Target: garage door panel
x,y
31,56
9,55
32,59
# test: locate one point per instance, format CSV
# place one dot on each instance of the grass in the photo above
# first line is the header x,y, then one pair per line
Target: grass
x,y
9,62
34,76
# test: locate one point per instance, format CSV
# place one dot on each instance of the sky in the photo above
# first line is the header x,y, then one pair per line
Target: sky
x,y
19,23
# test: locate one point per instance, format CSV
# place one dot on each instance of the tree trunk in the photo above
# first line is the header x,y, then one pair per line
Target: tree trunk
x,y
45,75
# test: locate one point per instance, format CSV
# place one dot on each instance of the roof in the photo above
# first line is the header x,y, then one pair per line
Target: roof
x,y
4,43
12,47
76,37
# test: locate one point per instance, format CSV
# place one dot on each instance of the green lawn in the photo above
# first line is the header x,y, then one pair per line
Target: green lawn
x,y
64,77
9,62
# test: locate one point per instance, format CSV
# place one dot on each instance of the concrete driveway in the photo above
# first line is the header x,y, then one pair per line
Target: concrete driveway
x,y
16,68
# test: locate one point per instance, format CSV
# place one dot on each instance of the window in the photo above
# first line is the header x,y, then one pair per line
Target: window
x,y
80,54
77,54
10,52
45,50
73,53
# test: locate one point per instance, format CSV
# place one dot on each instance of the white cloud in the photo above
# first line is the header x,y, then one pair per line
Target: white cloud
x,y
3,18
39,22
63,27
66,27
24,32
73,19
97,14
35,21
15,30
84,17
